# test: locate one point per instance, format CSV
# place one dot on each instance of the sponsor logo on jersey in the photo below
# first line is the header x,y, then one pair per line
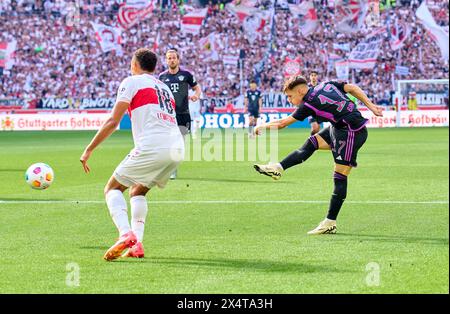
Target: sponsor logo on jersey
x,y
174,87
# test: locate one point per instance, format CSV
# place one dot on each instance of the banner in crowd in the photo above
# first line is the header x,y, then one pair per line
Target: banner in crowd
x,y
7,50
344,47
350,15
230,60
83,103
137,3
439,35
192,21
53,122
398,34
365,54
132,13
307,14
401,70
108,37
342,70
291,66
270,100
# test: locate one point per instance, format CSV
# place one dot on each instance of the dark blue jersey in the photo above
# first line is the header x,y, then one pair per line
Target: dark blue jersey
x,y
329,102
179,84
253,97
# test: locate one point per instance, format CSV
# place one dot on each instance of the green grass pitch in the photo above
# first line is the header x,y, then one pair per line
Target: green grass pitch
x,y
392,231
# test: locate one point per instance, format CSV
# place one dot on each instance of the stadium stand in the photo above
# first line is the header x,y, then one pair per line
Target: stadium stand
x,y
54,58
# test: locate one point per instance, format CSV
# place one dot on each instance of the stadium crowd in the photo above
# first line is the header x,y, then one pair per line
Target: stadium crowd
x,y
55,58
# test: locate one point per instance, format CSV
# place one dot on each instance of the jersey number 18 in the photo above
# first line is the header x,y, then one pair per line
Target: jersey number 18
x,y
164,100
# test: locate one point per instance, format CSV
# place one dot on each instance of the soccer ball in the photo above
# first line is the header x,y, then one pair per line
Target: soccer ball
x,y
39,176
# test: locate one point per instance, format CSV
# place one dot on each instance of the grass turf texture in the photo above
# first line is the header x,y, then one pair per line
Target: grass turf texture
x,y
231,247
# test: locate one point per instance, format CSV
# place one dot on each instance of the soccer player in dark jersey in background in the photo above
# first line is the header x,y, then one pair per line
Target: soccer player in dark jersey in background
x,y
253,104
313,121
344,137
179,82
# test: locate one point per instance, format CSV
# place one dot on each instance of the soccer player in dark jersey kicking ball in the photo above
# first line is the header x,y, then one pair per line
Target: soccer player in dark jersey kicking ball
x,y
344,137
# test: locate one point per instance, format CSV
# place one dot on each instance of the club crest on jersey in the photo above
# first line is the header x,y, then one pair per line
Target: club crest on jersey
x,y
181,77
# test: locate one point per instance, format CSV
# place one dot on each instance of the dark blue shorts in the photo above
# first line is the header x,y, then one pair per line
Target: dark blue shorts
x,y
253,113
344,144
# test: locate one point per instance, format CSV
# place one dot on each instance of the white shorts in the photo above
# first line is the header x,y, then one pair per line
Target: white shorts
x,y
148,168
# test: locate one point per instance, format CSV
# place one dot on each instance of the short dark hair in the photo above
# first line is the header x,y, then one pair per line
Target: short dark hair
x,y
174,50
146,58
293,81
314,71
253,82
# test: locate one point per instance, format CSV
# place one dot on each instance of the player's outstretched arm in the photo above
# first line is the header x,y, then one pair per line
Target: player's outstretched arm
x,y
104,132
359,93
277,124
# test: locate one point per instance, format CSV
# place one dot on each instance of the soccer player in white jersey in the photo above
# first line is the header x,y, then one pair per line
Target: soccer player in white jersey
x,y
158,149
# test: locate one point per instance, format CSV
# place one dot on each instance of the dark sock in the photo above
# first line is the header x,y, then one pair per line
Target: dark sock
x,y
300,155
339,195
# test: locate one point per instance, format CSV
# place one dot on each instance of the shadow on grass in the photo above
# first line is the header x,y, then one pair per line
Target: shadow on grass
x,y
267,181
241,264
403,239
16,199
102,248
13,170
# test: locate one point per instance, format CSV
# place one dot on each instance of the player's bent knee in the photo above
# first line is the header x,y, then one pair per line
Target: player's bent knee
x,y
322,144
138,190
315,128
342,169
113,185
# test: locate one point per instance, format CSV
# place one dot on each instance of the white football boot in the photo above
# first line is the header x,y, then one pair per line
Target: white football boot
x,y
325,227
271,170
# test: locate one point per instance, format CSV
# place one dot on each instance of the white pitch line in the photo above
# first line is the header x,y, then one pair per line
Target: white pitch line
x,y
222,202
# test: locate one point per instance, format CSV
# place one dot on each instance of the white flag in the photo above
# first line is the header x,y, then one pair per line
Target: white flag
x,y
438,33
350,15
307,15
108,37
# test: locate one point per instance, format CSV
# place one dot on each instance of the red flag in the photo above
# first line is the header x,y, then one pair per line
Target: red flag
x,y
192,21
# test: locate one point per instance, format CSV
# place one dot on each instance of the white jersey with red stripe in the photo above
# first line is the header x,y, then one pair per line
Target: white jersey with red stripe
x,y
152,112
